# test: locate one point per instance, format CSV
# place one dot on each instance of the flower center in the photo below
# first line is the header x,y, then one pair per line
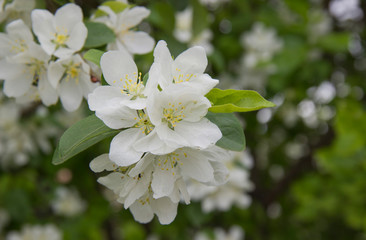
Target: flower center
x,y
144,122
18,46
60,39
173,114
36,68
169,162
72,71
182,77
133,86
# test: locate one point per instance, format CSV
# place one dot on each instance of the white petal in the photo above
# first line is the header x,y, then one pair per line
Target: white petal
x,y
142,165
101,163
117,66
77,36
138,42
161,70
165,209
152,143
113,181
42,24
171,137
70,94
201,82
121,151
141,212
221,173
47,93
19,30
140,189
132,17
163,182
194,164
55,72
191,61
67,16
199,134
106,96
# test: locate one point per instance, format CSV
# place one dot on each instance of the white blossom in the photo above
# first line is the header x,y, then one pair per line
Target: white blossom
x,y
122,23
26,70
36,232
68,202
71,78
16,40
12,10
61,34
235,233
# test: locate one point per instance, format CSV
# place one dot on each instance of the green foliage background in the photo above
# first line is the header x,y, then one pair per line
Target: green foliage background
x,y
319,195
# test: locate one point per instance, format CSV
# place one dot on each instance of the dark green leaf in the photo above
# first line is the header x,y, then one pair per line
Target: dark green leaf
x,y
335,42
162,16
81,136
98,35
230,100
232,133
200,18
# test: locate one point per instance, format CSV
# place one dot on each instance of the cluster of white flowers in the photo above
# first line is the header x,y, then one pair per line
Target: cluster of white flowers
x,y
52,69
165,136
122,24
183,31
233,192
36,232
20,140
15,9
234,233
260,45
67,202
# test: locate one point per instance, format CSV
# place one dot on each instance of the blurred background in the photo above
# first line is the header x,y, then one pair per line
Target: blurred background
x,y
302,175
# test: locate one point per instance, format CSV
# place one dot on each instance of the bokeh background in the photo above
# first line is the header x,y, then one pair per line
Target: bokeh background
x,y
303,173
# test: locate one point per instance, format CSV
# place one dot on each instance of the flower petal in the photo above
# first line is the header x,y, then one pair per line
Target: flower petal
x,y
192,61
199,134
121,151
141,212
163,182
165,209
132,17
67,16
138,42
101,163
118,66
70,94
42,24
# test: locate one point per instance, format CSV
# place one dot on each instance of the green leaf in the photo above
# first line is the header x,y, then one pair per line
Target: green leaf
x,y
114,5
162,16
200,18
94,56
335,42
81,136
98,35
230,100
232,133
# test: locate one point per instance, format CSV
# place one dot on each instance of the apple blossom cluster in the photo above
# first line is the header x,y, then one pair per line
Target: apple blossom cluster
x,y
51,69
36,232
165,137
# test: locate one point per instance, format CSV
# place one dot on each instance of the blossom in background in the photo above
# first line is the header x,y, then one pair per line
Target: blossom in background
x,y
260,45
61,34
183,31
16,40
67,202
71,78
233,192
11,10
122,23
4,219
36,232
235,233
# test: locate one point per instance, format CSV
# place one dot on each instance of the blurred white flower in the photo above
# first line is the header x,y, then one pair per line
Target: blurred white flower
x,y
260,45
16,39
11,10
4,219
320,23
27,70
71,78
61,34
36,232
183,31
233,192
122,23
68,202
235,233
